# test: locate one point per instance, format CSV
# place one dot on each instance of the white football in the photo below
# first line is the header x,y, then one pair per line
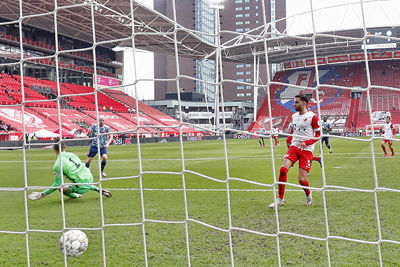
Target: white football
x,y
75,242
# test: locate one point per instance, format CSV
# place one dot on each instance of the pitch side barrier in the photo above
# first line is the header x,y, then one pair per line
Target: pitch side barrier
x,y
117,141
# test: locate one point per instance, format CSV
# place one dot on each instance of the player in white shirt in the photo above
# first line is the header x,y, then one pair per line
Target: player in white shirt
x,y
275,134
326,129
261,138
306,131
388,132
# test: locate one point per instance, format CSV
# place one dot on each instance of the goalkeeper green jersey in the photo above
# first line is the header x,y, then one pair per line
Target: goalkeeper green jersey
x,y
73,169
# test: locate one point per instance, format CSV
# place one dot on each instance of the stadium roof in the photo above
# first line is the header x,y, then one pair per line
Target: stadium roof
x,y
155,32
112,23
283,48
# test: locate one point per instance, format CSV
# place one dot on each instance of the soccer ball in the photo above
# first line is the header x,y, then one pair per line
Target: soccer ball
x,y
75,243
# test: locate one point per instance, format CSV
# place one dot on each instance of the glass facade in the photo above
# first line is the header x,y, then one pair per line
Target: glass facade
x,y
273,29
205,69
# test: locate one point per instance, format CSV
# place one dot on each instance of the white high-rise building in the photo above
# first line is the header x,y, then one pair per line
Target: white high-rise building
x,y
144,69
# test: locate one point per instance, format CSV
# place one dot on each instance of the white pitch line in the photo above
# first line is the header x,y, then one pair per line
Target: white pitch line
x,y
194,159
224,189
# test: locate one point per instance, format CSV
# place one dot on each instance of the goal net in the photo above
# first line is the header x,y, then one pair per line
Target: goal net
x,y
191,184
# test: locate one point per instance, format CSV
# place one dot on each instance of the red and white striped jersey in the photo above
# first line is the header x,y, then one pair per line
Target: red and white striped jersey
x,y
275,132
304,128
388,130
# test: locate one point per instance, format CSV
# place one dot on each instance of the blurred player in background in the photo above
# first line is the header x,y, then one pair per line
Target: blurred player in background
x,y
104,142
305,127
275,134
73,169
326,129
318,159
388,132
261,138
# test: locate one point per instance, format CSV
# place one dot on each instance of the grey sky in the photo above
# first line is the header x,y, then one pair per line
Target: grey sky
x,y
328,15
340,14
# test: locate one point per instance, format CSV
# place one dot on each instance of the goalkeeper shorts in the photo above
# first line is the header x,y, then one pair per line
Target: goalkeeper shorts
x,y
81,189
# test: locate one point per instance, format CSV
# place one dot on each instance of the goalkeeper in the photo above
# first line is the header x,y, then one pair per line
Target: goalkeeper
x,y
75,171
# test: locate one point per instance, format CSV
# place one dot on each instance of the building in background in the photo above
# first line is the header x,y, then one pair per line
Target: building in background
x,y
238,115
205,21
164,65
238,16
75,67
144,62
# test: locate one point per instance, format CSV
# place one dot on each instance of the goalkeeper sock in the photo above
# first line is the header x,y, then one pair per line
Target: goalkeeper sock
x,y
305,183
87,164
71,195
94,188
282,178
103,164
384,149
391,149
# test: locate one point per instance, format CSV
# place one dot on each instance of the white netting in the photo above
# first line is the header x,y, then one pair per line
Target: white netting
x,y
175,42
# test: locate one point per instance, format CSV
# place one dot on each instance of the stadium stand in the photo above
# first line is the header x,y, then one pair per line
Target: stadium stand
x,y
118,107
71,119
50,48
78,112
145,120
14,91
336,103
162,118
33,121
116,122
103,100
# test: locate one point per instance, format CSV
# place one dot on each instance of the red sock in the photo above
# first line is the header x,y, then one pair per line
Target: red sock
x,y
282,178
305,183
391,149
384,149
316,159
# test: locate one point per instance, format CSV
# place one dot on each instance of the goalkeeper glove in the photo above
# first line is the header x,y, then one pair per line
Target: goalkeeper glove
x,y
36,195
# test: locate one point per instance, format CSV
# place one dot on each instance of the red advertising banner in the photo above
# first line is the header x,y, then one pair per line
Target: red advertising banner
x,y
310,62
342,58
101,80
335,59
288,65
321,61
299,63
357,57
384,55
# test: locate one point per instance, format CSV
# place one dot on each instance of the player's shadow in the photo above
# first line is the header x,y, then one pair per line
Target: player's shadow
x,y
67,200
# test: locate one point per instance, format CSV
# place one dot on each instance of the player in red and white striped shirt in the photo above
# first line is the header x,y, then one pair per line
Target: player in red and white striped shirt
x,y
305,127
388,132
275,134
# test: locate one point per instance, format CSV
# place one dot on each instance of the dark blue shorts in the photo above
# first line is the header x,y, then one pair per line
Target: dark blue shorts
x,y
325,139
93,151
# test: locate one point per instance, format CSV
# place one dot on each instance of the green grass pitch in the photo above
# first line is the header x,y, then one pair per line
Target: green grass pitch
x,y
350,214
